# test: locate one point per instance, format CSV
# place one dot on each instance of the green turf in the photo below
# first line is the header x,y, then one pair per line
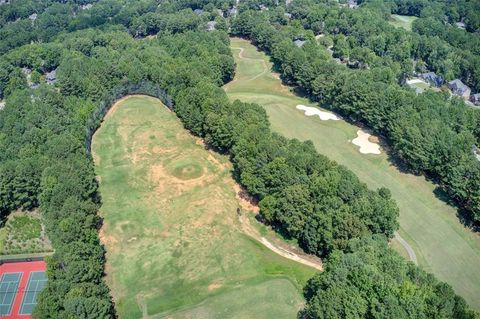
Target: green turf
x,y
264,300
174,242
442,244
400,21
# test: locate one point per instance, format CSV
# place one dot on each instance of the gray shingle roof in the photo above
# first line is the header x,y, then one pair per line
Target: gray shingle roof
x,y
459,88
299,43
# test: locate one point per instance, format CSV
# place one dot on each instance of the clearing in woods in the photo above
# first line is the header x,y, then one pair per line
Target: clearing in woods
x,y
175,245
400,21
442,244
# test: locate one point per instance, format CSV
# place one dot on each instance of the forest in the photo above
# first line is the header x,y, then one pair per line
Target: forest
x,y
104,51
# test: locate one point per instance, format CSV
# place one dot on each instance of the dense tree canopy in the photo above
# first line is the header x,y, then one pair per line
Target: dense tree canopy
x,y
101,50
369,280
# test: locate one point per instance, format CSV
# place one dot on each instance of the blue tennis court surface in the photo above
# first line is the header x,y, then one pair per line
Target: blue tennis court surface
x,y
36,282
8,289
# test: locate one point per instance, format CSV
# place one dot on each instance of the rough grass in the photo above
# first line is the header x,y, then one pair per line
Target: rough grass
x,y
173,239
442,244
400,21
23,233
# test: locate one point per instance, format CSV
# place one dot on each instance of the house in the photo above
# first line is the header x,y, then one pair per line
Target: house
x,y
87,6
352,4
461,25
476,152
211,25
233,11
475,99
51,77
198,11
263,7
26,71
458,88
33,16
288,15
432,78
299,43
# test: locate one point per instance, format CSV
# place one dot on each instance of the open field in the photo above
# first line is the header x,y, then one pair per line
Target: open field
x,y
442,244
400,21
175,245
23,233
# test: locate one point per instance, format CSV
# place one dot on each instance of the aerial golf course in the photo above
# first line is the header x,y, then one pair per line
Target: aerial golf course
x,y
175,244
429,226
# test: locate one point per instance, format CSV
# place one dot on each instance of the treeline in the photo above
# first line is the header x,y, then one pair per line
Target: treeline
x,y
430,132
449,11
451,34
369,280
364,35
305,195
144,17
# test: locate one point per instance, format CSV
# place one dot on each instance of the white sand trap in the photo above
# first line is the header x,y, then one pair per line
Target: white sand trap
x,y
311,111
366,147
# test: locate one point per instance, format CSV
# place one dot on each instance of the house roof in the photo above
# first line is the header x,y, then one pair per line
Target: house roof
x,y
211,25
51,77
458,85
299,43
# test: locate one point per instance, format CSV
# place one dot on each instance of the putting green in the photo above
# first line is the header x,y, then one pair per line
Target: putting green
x,y
175,246
442,244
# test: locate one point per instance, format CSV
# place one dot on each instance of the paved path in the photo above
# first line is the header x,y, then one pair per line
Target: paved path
x,y
280,249
408,248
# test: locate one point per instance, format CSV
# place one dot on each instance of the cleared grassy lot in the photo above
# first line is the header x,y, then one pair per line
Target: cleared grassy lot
x,y
400,21
175,246
23,233
442,244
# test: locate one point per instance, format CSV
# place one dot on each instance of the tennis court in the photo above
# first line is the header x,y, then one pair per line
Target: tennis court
x,y
20,284
36,282
8,289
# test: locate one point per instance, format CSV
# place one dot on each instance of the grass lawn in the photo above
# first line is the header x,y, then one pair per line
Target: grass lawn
x,y
442,244
23,233
174,243
400,21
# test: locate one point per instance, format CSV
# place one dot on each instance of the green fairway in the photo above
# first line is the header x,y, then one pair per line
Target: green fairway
x,y
175,246
442,244
400,21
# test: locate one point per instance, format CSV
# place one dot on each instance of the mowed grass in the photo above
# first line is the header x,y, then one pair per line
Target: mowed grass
x,y
442,244
174,243
400,21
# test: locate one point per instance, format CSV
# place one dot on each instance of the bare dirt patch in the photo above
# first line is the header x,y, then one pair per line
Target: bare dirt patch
x,y
246,202
214,286
108,240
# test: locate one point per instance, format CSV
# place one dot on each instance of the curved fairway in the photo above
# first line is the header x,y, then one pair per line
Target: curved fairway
x,y
175,247
442,244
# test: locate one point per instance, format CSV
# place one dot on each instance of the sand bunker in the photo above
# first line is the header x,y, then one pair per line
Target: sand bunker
x,y
311,111
366,147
